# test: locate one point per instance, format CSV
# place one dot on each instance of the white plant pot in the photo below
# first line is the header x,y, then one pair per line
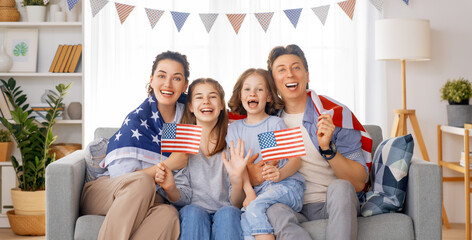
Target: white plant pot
x,y
36,13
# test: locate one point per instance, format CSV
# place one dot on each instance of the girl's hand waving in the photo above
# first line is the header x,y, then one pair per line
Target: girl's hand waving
x,y
237,165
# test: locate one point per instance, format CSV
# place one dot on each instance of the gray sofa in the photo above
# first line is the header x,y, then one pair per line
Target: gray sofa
x,y
420,219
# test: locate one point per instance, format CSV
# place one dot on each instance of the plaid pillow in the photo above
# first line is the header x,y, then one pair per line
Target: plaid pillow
x,y
389,176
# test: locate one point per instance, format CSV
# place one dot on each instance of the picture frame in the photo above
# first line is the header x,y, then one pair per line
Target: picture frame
x,y
21,45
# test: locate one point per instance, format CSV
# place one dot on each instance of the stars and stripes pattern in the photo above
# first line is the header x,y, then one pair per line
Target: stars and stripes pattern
x,y
281,144
181,138
344,118
140,135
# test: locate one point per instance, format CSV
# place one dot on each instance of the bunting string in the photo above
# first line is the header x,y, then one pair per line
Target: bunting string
x,y
235,19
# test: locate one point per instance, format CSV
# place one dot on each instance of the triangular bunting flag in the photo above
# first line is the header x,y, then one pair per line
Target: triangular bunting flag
x,y
45,2
321,12
70,3
123,11
153,15
97,5
348,7
377,4
406,1
236,20
264,19
208,19
179,19
293,15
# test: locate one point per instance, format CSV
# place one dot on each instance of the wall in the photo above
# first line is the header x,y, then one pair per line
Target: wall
x,y
451,51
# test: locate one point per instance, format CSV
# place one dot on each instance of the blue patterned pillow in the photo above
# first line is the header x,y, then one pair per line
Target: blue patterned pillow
x,y
389,176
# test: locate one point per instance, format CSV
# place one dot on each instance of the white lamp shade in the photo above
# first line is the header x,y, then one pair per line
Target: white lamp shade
x,y
402,39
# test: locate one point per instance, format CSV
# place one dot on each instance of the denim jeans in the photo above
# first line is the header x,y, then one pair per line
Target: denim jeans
x,y
197,223
254,220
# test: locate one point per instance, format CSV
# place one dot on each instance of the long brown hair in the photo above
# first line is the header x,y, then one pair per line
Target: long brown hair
x,y
221,127
271,107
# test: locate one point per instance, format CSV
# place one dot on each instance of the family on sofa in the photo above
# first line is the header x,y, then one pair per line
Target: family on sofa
x,y
225,191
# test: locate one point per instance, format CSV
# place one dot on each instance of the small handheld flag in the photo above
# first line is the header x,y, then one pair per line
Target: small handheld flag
x,y
181,138
281,144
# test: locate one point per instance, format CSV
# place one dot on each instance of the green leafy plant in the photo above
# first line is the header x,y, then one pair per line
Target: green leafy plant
x,y
34,3
33,138
4,136
456,90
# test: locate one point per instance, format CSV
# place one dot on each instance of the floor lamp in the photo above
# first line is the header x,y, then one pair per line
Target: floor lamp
x,y
404,40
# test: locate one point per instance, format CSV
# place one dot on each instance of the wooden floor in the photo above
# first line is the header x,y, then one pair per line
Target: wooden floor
x,y
456,232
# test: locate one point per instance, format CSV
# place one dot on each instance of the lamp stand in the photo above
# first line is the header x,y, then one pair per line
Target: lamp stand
x,y
400,120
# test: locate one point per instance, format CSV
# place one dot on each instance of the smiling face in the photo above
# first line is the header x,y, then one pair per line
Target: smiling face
x,y
168,81
291,78
206,103
254,95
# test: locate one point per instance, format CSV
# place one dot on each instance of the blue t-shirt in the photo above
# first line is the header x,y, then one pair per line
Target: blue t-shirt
x,y
248,133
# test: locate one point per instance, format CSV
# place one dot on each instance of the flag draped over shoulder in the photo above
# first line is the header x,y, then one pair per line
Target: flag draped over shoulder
x,y
139,136
181,138
344,118
280,144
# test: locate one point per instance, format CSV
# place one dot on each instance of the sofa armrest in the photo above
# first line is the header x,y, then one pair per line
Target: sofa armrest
x,y
424,199
64,181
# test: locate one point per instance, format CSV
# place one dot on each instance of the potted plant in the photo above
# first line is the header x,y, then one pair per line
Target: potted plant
x,y
35,10
5,145
457,93
34,141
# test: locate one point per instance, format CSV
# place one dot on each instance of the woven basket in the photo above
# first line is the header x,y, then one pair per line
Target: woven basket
x,y
9,14
27,225
7,3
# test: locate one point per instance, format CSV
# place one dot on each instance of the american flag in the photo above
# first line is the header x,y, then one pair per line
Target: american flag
x,y
181,138
281,144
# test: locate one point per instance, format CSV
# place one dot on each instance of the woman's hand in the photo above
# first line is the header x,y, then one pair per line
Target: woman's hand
x,y
325,130
271,173
164,177
237,165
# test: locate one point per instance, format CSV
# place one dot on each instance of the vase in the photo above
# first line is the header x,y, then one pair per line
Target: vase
x,y
36,13
5,151
5,60
457,115
75,110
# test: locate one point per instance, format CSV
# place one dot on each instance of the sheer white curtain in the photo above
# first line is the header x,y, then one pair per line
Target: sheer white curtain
x,y
118,57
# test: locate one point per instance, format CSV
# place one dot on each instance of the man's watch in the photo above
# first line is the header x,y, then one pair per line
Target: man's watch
x,y
331,151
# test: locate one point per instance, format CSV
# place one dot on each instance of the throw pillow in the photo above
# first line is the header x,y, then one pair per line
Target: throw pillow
x,y
94,154
389,176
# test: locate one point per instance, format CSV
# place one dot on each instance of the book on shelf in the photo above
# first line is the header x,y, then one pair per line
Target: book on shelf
x,y
71,57
76,58
61,59
462,161
66,58
56,58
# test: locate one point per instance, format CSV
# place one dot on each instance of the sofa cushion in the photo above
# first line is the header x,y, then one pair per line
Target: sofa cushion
x,y
88,226
94,154
384,226
389,176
